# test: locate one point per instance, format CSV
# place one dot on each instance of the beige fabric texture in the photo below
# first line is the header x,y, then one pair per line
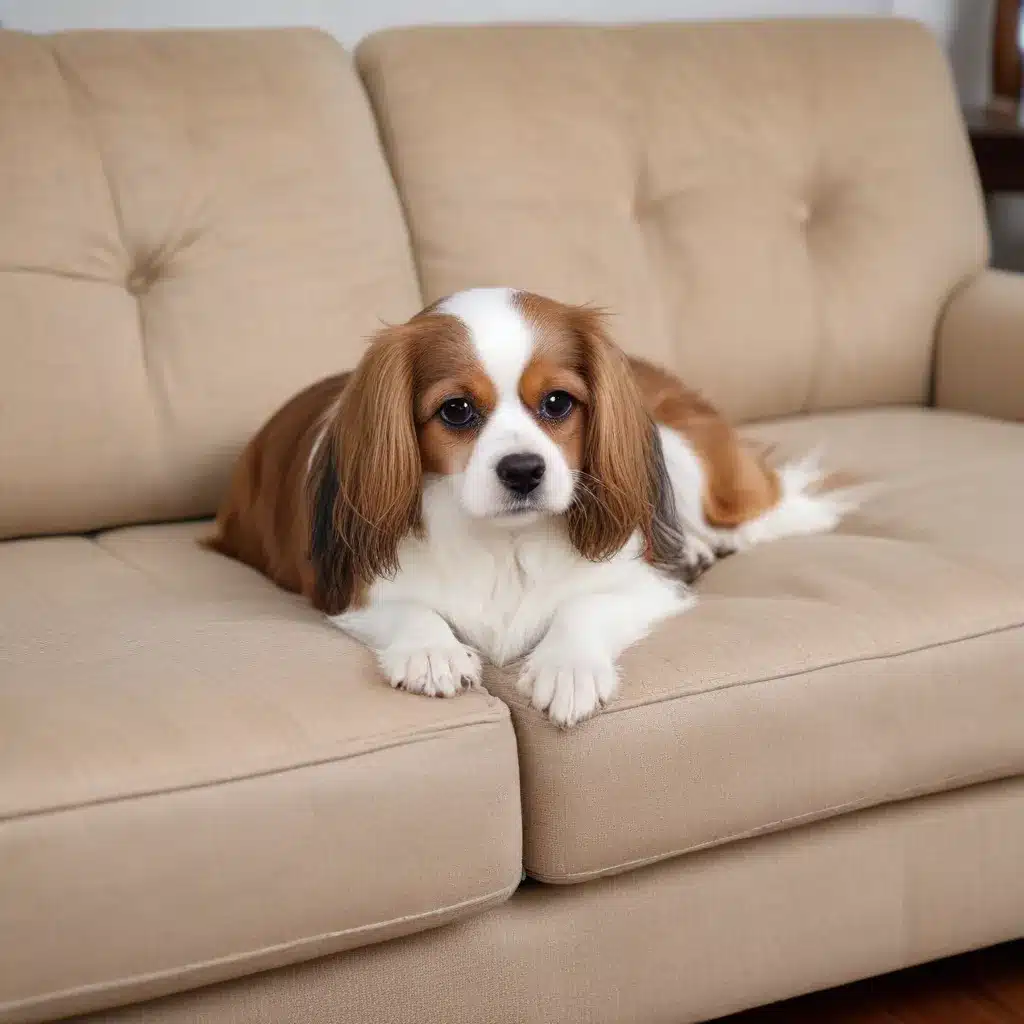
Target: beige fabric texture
x,y
199,782
980,357
686,940
196,226
200,779
816,675
758,203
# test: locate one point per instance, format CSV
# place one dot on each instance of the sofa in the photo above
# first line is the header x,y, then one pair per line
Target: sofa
x,y
212,809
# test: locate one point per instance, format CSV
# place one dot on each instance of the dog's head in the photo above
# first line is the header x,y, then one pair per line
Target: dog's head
x,y
523,406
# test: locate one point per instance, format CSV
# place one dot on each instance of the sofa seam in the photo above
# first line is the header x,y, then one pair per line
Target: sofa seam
x,y
227,780
859,660
831,812
57,272
496,896
371,79
864,659
96,541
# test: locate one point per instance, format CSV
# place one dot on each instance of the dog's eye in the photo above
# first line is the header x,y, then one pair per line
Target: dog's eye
x,y
556,405
458,412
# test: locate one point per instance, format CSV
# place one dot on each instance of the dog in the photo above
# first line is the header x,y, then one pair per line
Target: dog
x,y
497,478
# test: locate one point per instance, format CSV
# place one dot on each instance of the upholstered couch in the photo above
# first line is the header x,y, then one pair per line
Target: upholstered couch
x,y
212,809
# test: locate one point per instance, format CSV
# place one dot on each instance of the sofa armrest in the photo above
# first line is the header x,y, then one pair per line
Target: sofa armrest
x,y
980,354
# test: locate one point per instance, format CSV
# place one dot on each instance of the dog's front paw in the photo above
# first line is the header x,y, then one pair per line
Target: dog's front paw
x,y
697,557
727,542
441,671
569,685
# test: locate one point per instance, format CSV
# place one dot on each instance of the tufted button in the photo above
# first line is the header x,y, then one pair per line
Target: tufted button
x,y
141,277
803,212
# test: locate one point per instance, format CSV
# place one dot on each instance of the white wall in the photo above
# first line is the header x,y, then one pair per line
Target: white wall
x,y
350,20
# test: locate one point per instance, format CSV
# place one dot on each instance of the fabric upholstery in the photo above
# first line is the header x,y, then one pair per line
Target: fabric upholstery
x,y
682,941
198,784
756,202
816,675
980,357
200,779
195,226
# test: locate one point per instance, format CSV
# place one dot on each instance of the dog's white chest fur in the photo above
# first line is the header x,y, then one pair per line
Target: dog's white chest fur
x,y
497,587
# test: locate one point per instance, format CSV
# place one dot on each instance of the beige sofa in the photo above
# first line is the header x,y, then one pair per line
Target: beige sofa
x,y
211,808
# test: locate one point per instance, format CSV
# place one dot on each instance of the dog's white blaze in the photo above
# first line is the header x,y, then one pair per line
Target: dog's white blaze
x,y
502,338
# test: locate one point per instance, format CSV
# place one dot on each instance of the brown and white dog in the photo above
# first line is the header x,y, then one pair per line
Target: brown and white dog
x,y
497,478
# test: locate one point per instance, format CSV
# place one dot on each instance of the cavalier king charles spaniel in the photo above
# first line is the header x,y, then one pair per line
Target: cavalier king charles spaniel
x,y
497,478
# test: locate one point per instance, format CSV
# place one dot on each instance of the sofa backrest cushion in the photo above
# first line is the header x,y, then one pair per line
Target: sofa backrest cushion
x,y
778,210
193,225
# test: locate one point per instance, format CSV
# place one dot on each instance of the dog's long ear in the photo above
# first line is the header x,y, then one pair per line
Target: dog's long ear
x,y
666,542
366,481
625,485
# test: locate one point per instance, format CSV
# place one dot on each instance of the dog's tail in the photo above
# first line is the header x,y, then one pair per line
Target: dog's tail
x,y
809,501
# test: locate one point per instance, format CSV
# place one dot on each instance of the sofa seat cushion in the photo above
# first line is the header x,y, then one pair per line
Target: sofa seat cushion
x,y
199,778
816,675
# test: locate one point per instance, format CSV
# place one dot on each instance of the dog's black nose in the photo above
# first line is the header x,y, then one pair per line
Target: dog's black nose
x,y
521,472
